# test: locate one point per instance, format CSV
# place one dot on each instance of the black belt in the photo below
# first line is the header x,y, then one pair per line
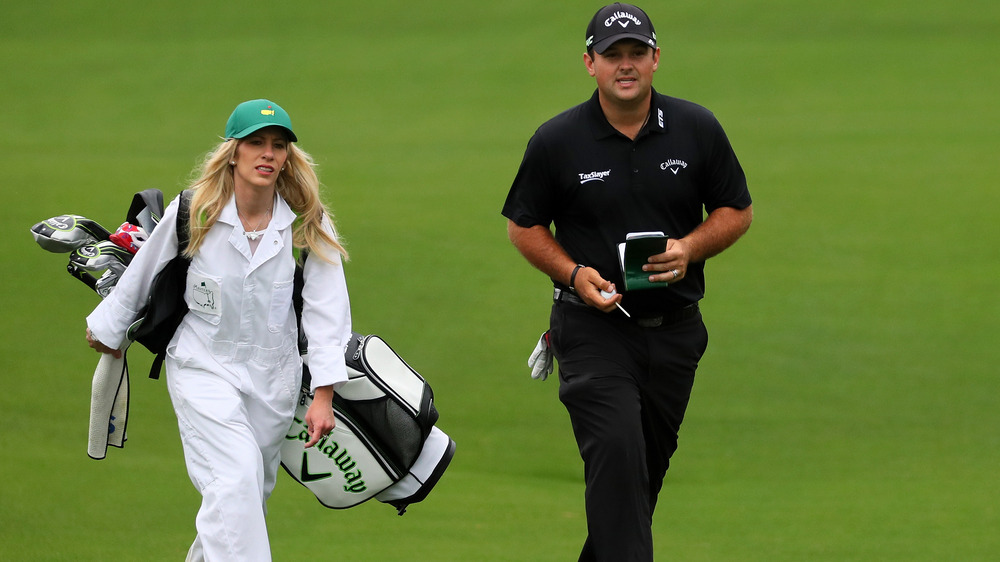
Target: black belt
x,y
667,318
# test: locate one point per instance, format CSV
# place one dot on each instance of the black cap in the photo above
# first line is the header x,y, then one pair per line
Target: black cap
x,y
618,21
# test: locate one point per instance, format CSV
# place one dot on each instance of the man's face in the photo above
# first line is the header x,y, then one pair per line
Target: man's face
x,y
624,72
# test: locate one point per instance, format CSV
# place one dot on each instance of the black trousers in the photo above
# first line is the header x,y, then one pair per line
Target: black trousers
x,y
626,389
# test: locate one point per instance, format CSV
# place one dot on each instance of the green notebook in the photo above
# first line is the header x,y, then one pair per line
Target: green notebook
x,y
634,253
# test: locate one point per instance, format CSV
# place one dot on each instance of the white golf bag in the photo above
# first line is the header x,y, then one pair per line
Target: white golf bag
x,y
385,444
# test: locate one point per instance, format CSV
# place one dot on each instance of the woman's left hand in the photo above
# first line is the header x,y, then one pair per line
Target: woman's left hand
x,y
319,417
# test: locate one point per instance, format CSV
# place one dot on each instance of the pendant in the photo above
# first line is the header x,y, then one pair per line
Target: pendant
x,y
253,234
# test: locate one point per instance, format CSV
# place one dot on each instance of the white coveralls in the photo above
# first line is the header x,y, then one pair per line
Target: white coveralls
x,y
233,366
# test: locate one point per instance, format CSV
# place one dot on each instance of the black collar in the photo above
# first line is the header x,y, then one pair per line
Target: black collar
x,y
657,122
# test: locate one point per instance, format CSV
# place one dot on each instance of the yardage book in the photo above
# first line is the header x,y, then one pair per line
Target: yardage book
x,y
634,253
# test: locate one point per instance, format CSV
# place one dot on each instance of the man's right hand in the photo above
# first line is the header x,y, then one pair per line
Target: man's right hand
x,y
589,284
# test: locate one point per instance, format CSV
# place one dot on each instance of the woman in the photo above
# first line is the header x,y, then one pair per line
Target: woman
x,y
233,366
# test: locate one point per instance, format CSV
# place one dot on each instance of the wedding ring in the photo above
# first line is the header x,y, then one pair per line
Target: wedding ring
x,y
675,272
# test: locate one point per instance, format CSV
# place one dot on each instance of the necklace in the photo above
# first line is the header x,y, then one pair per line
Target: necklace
x,y
646,120
256,232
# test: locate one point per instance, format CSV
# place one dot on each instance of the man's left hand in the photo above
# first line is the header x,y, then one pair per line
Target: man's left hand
x,y
670,266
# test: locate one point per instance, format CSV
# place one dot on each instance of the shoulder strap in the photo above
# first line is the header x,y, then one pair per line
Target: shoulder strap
x,y
298,283
183,237
184,220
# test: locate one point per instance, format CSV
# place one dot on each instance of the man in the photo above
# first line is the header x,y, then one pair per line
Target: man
x,y
628,160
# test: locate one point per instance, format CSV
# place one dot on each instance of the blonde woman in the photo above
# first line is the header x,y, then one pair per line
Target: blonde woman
x,y
233,367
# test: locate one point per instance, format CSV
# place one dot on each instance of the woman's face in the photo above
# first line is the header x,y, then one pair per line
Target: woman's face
x,y
260,156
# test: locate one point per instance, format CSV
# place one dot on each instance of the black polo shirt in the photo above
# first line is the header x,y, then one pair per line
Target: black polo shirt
x,y
596,185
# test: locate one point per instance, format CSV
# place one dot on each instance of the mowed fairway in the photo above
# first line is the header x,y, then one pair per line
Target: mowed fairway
x,y
848,408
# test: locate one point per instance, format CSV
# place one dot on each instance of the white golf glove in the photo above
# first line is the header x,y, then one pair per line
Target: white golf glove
x,y
540,360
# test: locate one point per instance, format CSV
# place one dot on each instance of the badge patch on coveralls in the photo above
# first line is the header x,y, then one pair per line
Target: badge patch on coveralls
x,y
206,296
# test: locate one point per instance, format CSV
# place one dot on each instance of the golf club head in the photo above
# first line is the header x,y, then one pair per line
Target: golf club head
x,y
106,283
105,255
66,233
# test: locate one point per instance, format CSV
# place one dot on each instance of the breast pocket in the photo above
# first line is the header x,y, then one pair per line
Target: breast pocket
x,y
205,296
281,305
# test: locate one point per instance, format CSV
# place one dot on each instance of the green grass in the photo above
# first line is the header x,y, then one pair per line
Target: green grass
x,y
847,408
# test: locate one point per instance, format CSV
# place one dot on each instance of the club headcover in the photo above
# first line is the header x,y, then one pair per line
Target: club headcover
x,y
66,233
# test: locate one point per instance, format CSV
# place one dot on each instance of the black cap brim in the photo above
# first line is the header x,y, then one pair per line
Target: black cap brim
x,y
602,45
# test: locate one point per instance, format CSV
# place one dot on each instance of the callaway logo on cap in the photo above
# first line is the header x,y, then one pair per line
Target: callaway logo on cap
x,y
619,21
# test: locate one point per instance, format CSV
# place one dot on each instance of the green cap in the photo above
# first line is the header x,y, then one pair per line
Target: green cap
x,y
254,115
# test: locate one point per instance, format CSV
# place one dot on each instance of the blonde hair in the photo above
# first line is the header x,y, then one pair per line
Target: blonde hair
x,y
297,184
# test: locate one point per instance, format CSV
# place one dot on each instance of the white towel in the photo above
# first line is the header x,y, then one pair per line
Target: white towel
x,y
108,406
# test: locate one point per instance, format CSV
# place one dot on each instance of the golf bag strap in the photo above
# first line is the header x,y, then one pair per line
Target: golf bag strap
x,y
183,237
154,369
184,220
299,281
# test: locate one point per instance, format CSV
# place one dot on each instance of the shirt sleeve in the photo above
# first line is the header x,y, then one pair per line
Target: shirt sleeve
x,y
727,183
326,317
109,322
530,199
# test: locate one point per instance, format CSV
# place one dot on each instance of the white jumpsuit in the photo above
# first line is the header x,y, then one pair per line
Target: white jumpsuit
x,y
233,367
